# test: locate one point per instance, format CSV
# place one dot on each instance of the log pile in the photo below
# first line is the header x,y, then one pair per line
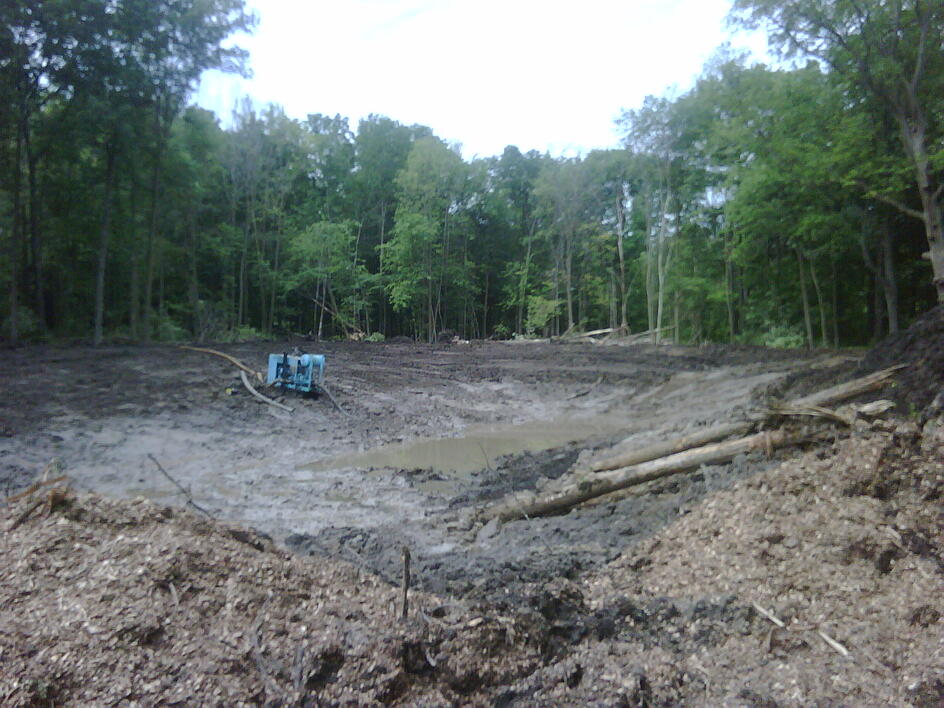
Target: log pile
x,y
686,453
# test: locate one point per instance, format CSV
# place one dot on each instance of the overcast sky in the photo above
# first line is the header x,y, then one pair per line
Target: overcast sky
x,y
544,75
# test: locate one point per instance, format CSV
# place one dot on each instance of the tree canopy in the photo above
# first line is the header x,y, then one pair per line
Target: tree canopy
x,y
790,205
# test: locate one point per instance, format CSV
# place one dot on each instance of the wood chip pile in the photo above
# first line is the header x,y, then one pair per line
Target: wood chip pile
x,y
107,602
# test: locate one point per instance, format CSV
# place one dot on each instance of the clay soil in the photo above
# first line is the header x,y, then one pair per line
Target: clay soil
x,y
273,576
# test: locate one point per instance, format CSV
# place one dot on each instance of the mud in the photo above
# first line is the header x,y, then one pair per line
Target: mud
x,y
428,435
596,606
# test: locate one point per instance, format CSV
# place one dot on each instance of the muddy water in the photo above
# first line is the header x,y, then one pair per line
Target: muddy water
x,y
479,448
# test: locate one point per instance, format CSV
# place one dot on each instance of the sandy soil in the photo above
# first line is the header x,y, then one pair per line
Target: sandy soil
x,y
633,601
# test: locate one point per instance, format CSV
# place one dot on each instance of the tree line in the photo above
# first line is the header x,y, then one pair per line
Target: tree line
x,y
797,205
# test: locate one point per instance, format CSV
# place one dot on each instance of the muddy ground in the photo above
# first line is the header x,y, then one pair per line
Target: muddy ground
x,y
431,434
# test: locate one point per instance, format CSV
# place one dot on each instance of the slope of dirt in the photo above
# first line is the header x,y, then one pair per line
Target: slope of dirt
x,y
921,347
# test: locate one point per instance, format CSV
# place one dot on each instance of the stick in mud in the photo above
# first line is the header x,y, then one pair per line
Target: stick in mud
x,y
406,582
177,484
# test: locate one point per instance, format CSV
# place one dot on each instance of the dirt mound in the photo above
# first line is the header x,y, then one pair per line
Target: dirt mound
x,y
921,347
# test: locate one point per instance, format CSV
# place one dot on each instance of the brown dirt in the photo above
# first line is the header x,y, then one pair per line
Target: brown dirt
x,y
644,600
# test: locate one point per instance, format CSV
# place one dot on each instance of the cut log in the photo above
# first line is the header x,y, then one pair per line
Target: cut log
x,y
670,447
845,391
615,480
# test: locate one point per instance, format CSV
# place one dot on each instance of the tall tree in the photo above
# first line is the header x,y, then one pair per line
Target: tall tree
x,y
891,50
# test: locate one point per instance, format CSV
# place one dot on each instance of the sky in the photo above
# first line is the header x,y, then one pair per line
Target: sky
x,y
542,75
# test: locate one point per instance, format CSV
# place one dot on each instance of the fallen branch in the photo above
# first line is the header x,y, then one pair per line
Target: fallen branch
x,y
264,399
177,484
324,389
36,486
809,412
236,362
26,514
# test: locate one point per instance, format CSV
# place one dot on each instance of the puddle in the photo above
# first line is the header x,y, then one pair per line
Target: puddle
x,y
478,449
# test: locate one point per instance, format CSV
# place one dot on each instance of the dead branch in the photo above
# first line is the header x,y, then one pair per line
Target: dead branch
x,y
783,409
177,484
36,486
26,514
264,399
324,389
406,583
236,362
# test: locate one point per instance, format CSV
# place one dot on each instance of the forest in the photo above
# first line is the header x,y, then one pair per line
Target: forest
x,y
795,204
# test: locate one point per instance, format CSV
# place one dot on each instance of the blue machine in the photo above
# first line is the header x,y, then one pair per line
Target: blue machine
x,y
303,373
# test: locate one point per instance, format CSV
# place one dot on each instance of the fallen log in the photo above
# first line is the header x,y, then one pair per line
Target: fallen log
x,y
233,360
812,405
616,480
670,447
687,452
850,389
264,399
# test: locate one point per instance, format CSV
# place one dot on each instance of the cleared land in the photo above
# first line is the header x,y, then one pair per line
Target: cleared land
x,y
650,597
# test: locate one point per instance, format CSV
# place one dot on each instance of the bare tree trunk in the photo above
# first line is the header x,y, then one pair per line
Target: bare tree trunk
x,y
806,301
729,297
104,237
889,281
620,226
151,250
193,285
821,305
15,239
914,136
36,245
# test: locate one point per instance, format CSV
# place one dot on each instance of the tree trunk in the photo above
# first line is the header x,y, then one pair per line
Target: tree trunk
x,y
914,136
620,226
104,237
193,285
889,280
36,245
806,303
151,250
15,240
821,305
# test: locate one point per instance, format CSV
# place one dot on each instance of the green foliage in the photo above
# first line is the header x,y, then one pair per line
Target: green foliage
x,y
375,337
540,312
